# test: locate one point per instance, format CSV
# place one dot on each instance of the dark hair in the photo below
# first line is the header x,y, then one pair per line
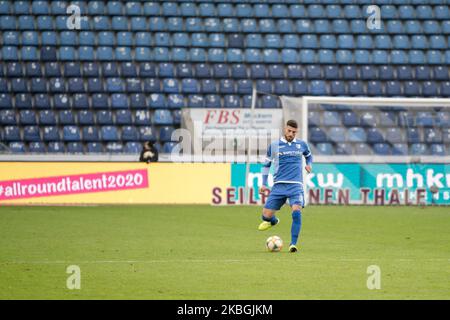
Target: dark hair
x,y
292,123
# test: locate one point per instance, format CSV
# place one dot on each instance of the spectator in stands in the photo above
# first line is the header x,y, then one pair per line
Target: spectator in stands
x,y
149,153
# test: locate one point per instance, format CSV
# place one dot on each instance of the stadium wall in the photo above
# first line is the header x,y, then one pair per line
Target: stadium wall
x,y
66,183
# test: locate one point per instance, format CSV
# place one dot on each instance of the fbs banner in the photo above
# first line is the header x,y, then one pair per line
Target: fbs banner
x,y
110,183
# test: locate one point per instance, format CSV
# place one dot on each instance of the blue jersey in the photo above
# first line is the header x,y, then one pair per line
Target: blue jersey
x,y
287,159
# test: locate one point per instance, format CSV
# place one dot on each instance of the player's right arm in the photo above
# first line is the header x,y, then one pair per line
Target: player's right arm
x,y
265,170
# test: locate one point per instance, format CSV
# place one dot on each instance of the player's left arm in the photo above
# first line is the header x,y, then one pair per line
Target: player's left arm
x,y
308,158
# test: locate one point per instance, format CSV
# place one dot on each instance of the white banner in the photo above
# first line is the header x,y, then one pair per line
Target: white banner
x,y
235,119
231,129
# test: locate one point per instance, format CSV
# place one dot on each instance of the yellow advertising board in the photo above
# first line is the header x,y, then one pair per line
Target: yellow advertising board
x,y
110,183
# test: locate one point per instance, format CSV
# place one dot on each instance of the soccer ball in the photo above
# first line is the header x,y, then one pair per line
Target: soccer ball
x,y
274,244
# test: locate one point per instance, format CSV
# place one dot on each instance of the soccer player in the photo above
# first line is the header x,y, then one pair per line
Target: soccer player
x,y
286,155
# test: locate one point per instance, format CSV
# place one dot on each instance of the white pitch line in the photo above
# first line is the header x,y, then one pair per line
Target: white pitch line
x,y
217,261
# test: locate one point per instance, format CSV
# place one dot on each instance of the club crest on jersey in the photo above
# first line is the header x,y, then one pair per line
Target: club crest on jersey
x,y
298,146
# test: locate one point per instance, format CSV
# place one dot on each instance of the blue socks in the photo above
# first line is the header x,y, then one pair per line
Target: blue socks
x,y
273,220
296,226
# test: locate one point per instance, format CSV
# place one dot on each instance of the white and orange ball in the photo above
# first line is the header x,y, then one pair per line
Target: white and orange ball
x,y
274,244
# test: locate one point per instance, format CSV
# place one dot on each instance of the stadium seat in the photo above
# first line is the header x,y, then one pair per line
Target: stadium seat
x,y
400,149
419,149
438,150
356,134
344,149
382,149
317,135
362,149
374,136
432,135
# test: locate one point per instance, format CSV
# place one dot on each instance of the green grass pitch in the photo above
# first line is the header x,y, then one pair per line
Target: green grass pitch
x,y
204,252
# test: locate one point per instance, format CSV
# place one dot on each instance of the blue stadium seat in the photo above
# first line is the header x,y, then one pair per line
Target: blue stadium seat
x,y
273,41
220,70
419,149
233,101
443,119
374,135
400,149
119,101
393,89
264,86
314,118
66,117
413,135
350,119
331,118
132,147
292,41
344,149
109,133
324,148
50,133
424,119
165,134
8,117
114,147
56,147
14,69
281,87
438,149
194,25
369,119
300,87
5,101
382,149
175,101
195,101
212,101
12,133
36,147
331,72
104,117
163,117
94,147
147,70
432,135
130,133
17,147
23,101
430,89
338,88
31,134
123,117
226,86
216,55
404,73
318,87
412,88
142,118
290,56
86,117
27,117
317,135
337,134
208,86
445,89
71,134
362,149
356,134
356,88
